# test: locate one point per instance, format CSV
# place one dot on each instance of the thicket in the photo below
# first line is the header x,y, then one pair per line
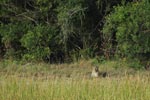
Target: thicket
x,y
127,31
62,31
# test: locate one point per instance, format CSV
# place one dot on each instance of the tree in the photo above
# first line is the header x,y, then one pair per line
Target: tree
x,y
128,26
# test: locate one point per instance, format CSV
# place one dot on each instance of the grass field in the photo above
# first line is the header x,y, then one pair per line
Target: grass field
x,y
72,82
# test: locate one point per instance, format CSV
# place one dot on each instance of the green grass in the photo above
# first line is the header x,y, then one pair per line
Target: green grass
x,y
72,82
125,88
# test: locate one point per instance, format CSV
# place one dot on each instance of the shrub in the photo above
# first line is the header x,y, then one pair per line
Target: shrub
x,y
127,29
37,41
10,36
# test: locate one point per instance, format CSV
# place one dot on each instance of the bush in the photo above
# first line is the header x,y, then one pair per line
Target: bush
x,y
10,38
127,29
37,42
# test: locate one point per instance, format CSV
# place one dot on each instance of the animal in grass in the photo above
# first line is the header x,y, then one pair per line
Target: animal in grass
x,y
96,73
147,66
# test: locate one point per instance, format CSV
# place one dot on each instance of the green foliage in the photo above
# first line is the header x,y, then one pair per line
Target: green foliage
x,y
130,24
70,18
11,34
37,42
38,29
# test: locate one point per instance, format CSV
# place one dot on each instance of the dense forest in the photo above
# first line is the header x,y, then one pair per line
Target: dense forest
x,y
58,31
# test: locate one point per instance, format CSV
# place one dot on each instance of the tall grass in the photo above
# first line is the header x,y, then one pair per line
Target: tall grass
x,y
125,88
72,82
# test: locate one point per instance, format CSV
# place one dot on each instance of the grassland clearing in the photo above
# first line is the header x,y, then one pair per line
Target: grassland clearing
x,y
72,82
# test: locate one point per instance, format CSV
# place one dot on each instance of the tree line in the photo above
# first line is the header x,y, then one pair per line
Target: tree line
x,y
60,31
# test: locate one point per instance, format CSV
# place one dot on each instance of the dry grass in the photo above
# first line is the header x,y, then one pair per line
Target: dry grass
x,y
72,82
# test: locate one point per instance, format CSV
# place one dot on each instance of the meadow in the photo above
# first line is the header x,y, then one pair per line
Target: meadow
x,y
41,81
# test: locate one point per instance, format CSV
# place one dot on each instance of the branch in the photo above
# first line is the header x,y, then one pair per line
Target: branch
x,y
146,31
29,18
